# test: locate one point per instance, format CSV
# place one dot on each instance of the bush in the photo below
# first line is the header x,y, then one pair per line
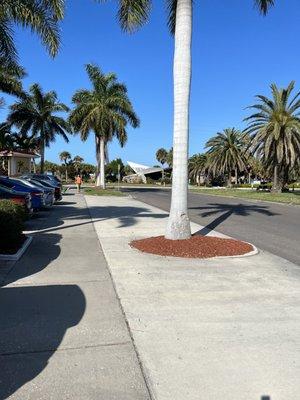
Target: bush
x,y
166,180
295,185
246,185
12,218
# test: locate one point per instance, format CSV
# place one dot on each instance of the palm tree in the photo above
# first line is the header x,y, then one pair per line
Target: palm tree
x,y
41,16
6,141
77,161
10,78
161,156
275,132
36,113
170,157
197,166
106,110
65,156
227,152
134,13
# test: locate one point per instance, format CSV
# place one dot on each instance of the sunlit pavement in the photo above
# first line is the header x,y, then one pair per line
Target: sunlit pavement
x,y
204,329
62,331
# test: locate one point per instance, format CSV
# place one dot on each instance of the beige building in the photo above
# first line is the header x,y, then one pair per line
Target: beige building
x,y
19,162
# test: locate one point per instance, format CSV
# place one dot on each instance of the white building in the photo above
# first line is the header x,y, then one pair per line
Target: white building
x,y
18,162
141,172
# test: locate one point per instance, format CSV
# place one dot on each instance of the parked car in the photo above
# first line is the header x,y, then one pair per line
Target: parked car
x,y
57,188
22,198
44,177
48,192
37,195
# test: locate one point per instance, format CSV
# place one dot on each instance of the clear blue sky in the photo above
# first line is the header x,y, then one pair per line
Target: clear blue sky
x,y
236,54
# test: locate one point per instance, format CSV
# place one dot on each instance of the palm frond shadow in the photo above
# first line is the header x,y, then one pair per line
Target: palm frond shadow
x,y
226,211
126,216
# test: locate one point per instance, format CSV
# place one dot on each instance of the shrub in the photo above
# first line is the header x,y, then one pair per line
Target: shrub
x,y
295,185
246,185
12,218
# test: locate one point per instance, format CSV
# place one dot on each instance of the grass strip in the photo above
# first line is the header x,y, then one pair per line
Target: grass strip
x,y
288,198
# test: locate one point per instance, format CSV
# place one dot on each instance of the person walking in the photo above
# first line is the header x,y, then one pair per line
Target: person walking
x,y
78,181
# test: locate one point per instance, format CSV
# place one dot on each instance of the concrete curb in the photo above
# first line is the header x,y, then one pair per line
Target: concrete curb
x,y
19,253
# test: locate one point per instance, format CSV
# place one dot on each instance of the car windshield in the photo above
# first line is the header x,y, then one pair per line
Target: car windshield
x,y
42,184
24,182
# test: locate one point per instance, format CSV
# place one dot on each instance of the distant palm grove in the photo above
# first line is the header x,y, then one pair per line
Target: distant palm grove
x,y
267,148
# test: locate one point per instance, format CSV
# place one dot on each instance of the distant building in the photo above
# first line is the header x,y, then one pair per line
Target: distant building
x,y
142,172
18,162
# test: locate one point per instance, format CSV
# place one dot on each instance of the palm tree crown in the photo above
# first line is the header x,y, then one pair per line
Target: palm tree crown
x,y
132,14
161,156
78,160
10,78
6,140
275,128
106,109
197,166
41,16
64,156
37,113
227,152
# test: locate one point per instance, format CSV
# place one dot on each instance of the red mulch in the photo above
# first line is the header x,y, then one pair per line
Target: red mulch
x,y
196,247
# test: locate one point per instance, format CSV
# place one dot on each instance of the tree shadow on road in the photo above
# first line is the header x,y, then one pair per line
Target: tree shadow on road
x,y
226,211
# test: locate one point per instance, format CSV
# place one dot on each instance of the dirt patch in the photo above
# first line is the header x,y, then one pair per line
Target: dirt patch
x,y
196,247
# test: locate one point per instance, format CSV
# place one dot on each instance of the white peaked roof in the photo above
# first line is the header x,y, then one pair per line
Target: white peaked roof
x,y
143,169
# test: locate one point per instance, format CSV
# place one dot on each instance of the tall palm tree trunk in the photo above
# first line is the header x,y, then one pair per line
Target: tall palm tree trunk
x,y
178,223
229,184
42,152
66,172
277,181
97,140
102,162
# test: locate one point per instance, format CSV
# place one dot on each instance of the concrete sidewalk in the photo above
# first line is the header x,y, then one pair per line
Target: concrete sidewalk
x,y
226,329
62,331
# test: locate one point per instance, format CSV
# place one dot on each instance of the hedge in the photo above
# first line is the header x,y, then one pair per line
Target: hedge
x,y
12,218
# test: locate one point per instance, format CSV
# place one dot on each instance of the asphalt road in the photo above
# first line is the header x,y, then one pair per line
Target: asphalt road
x,y
269,226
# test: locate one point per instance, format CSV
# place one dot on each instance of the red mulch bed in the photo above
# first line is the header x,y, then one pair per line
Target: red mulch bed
x,y
196,247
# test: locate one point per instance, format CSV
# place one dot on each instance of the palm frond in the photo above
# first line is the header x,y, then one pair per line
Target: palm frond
x,y
264,5
133,14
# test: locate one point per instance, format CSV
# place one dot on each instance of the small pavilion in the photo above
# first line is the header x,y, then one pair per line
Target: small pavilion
x,y
19,162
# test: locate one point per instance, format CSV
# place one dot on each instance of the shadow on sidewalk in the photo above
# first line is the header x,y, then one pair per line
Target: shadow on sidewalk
x,y
43,249
127,216
227,210
34,319
33,323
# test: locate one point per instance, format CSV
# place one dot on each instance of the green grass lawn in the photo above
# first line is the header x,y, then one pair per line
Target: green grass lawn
x,y
93,191
290,198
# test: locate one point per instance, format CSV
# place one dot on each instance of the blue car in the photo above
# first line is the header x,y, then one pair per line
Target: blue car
x,y
48,192
37,195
